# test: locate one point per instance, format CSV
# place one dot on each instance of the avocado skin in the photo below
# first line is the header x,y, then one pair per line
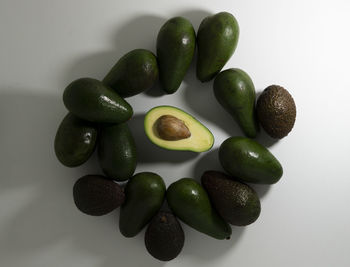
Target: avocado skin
x,y
276,111
135,72
176,43
95,195
249,161
164,237
190,203
91,100
75,141
235,91
236,202
117,151
145,194
217,39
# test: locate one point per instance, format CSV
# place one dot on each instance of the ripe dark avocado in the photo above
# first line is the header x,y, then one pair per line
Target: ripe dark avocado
x,y
145,194
95,195
217,39
75,141
176,43
164,237
248,161
236,202
91,100
235,91
135,72
276,111
190,203
117,151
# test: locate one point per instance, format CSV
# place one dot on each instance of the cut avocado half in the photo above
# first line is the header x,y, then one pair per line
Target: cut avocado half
x,y
174,129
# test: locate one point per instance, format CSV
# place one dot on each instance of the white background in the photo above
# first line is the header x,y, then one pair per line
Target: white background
x,y
301,45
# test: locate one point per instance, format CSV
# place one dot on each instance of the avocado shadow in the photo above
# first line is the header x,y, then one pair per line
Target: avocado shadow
x,y
150,153
195,16
40,214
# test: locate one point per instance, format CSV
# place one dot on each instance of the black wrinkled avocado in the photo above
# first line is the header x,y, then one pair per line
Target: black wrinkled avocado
x,y
237,203
276,111
96,195
91,100
164,237
75,141
135,72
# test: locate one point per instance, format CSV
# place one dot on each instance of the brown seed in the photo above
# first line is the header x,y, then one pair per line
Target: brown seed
x,y
171,128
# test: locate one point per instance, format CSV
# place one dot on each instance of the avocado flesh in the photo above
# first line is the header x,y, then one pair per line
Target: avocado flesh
x,y
176,43
201,139
249,161
235,91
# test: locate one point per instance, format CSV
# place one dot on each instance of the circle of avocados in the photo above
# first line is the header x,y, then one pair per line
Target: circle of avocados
x,y
276,111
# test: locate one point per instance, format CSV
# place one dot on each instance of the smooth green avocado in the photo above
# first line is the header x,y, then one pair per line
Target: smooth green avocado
x,y
276,111
235,91
172,128
190,203
217,39
237,203
249,161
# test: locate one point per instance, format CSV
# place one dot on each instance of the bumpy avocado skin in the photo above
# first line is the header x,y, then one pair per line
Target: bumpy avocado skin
x,y
176,43
96,195
236,202
217,39
91,100
75,140
248,161
190,203
135,72
117,151
276,111
164,237
235,91
145,193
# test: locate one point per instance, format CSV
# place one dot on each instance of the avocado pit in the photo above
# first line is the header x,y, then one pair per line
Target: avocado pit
x,y
171,128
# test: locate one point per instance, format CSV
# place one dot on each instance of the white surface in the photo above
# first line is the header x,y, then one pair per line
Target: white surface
x,y
302,45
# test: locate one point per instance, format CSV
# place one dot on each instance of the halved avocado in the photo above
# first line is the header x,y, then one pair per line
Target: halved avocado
x,y
174,129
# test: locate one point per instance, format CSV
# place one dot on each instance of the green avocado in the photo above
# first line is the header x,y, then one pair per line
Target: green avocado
x,y
117,151
174,129
235,91
236,202
190,203
91,100
145,194
96,195
217,39
276,111
248,161
176,43
164,237
75,141
135,72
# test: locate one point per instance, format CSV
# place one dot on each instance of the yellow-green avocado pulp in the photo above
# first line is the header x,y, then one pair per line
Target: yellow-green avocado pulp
x,y
201,138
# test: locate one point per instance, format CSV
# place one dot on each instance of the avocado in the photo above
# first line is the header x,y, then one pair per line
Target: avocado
x,y
190,203
249,161
217,39
164,237
75,141
145,194
174,129
135,72
91,100
237,203
117,151
176,43
234,90
276,111
95,195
